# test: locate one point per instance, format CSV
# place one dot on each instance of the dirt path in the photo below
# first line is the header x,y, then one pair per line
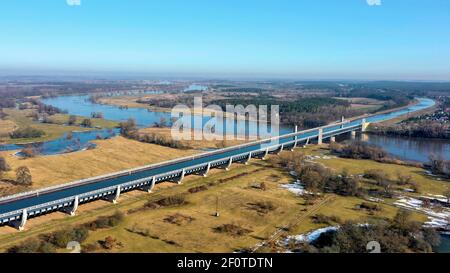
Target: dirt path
x,y
302,216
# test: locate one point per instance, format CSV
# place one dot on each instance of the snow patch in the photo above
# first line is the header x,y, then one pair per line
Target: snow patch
x,y
297,188
309,237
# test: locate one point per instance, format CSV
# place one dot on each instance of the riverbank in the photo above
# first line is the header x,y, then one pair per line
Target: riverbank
x,y
109,156
55,128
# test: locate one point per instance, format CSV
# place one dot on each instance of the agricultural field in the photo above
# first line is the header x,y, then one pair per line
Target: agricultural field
x,y
250,200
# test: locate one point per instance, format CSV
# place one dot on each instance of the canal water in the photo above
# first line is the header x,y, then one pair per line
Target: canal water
x,y
80,105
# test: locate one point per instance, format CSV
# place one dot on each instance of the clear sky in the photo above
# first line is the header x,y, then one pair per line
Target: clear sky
x,y
307,39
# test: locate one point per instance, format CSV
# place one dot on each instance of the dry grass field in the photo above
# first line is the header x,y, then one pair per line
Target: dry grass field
x,y
192,226
194,144
110,156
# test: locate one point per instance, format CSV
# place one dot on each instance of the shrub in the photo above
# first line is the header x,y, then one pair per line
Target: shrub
x,y
376,174
232,229
263,207
72,120
29,246
197,189
29,152
370,206
63,237
170,201
178,219
90,247
27,132
403,179
23,176
128,128
86,123
109,242
4,167
324,219
263,186
106,221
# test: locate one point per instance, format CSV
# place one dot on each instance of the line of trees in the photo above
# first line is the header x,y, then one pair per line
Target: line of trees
x,y
26,132
130,130
400,235
423,128
23,173
317,178
440,166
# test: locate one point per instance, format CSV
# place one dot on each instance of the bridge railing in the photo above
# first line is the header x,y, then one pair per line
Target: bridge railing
x,y
91,193
160,164
99,191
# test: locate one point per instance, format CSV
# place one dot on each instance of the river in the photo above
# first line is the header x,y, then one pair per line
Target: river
x,y
82,106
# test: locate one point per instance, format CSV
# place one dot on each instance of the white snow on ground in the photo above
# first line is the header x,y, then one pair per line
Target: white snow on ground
x,y
373,199
309,237
429,173
313,157
296,188
437,219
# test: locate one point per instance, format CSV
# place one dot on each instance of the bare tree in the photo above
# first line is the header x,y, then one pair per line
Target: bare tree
x,y
23,176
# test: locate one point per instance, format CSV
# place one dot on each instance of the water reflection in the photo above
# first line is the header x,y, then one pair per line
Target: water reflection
x,y
412,149
82,106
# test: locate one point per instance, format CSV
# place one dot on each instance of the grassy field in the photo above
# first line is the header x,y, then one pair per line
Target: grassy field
x,y
194,144
366,104
62,119
426,183
130,102
20,118
6,127
237,195
110,156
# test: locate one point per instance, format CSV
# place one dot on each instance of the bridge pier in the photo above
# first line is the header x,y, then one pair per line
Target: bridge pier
x,y
281,149
364,125
353,135
72,209
295,138
180,180
150,187
208,167
295,145
332,139
20,224
116,196
230,161
248,158
320,137
306,143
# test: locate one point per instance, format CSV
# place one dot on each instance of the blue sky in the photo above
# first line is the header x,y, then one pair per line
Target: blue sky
x,y
305,39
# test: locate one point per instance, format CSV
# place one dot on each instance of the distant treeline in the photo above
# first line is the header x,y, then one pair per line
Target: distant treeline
x,y
244,90
424,129
391,98
305,112
310,105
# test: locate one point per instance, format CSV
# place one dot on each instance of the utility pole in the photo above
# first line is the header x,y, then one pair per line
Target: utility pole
x,y
217,206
